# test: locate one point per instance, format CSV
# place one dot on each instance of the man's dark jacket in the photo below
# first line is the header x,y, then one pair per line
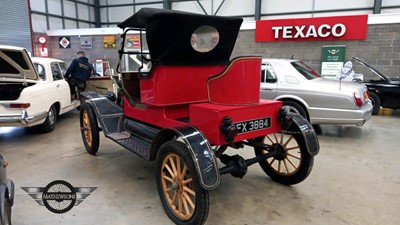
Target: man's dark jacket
x,y
80,69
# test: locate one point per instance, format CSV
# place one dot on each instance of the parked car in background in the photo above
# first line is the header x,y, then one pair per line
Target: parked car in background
x,y
33,91
320,100
6,194
383,90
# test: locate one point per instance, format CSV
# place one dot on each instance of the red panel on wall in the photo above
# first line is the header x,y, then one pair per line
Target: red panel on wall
x,y
313,29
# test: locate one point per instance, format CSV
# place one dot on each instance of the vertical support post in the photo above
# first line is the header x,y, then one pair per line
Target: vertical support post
x,y
62,14
257,13
167,4
46,8
76,13
377,6
97,22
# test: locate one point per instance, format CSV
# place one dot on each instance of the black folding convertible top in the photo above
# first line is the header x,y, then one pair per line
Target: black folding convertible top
x,y
169,33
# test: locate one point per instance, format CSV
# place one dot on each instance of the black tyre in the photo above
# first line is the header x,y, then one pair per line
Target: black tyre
x,y
89,129
183,198
296,108
50,122
376,102
293,163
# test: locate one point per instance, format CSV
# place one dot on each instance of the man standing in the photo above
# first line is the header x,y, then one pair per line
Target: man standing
x,y
78,72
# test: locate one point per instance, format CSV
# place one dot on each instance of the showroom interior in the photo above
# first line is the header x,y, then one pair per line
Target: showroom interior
x,y
354,177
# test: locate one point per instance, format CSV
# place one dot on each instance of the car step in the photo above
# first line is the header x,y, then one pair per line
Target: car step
x,y
134,144
119,135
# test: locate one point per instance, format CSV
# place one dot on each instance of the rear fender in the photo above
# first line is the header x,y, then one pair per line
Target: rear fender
x,y
199,148
308,133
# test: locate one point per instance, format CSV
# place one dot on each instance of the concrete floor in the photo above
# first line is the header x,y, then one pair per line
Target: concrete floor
x,y
355,180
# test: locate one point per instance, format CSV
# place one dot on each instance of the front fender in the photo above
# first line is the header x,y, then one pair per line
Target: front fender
x,y
109,115
200,150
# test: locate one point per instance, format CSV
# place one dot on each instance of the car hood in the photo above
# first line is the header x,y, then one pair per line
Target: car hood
x,y
15,64
378,73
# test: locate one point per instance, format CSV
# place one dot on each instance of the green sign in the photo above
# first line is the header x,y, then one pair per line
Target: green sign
x,y
333,57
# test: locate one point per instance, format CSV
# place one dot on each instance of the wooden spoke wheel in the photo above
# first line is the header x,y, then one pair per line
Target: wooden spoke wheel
x,y
183,198
89,129
292,163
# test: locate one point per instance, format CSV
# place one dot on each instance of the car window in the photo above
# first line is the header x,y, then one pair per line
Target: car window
x,y
305,70
18,57
56,71
7,67
40,70
63,67
267,73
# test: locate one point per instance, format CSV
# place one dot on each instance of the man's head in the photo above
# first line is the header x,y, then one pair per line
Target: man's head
x,y
80,54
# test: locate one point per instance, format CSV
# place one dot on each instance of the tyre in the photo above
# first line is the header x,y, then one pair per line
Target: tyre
x,y
295,107
50,122
292,164
183,198
376,102
89,129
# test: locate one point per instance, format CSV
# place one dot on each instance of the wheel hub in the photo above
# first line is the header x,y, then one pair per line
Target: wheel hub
x,y
280,151
177,185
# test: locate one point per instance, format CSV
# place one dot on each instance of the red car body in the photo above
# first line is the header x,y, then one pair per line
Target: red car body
x,y
191,106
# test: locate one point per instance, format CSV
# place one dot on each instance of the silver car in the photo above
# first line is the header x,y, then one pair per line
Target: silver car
x,y
320,100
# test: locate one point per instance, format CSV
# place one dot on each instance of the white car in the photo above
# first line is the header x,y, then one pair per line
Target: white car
x,y
33,91
320,100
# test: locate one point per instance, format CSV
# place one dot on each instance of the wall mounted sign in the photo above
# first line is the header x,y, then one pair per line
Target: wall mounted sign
x,y
109,42
86,42
64,42
333,57
133,41
313,29
42,40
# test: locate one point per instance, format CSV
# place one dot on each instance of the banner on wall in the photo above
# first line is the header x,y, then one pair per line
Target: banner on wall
x,y
133,41
313,29
333,57
64,42
109,42
86,42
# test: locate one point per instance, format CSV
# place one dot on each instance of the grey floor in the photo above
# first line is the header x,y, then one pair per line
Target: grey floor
x,y
355,180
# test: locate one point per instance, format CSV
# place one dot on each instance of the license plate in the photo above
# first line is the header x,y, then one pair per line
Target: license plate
x,y
252,125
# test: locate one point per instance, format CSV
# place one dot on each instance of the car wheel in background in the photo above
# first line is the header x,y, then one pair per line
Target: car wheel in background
x,y
50,122
376,102
296,108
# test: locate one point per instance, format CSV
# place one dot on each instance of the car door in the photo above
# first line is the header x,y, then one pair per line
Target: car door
x,y
61,86
269,81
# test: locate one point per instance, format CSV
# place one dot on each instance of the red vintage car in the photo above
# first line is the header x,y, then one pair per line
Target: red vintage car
x,y
185,102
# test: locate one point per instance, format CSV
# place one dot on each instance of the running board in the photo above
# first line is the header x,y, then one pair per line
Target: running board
x,y
133,143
